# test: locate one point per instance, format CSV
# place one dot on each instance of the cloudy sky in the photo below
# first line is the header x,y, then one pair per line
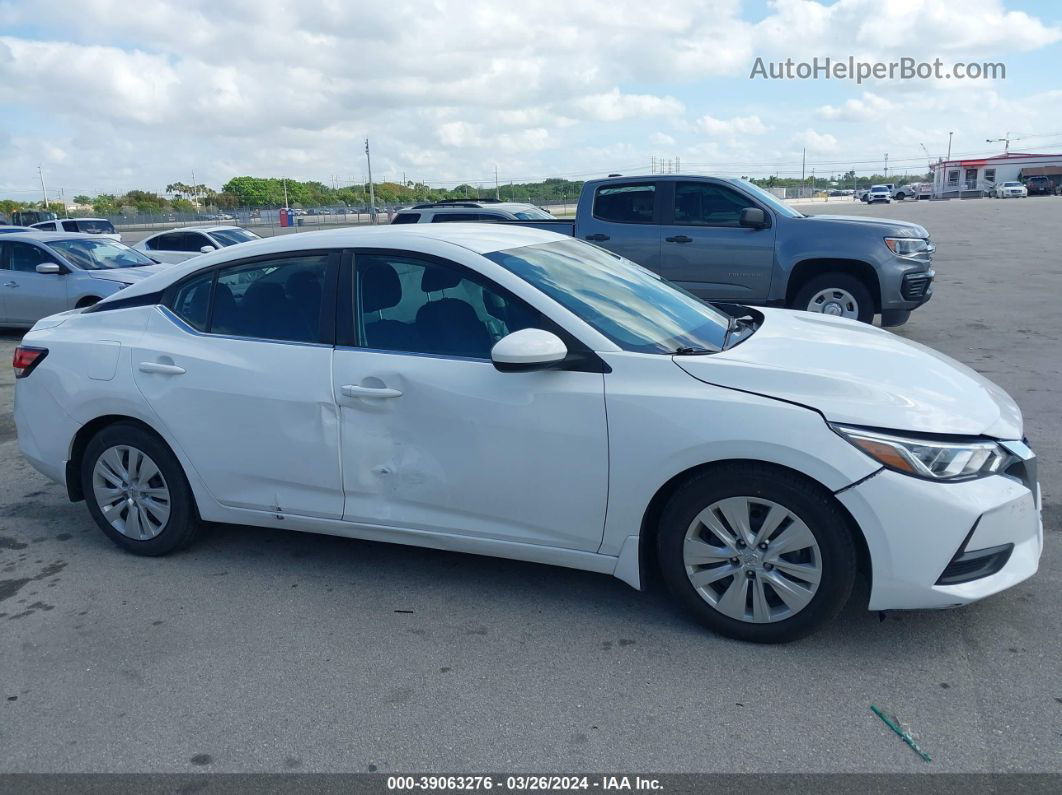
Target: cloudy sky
x,y
108,95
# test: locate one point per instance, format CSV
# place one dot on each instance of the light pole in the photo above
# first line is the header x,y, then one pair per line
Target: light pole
x,y
372,194
44,190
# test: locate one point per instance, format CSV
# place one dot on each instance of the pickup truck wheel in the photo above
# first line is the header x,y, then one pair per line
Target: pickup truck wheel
x,y
838,294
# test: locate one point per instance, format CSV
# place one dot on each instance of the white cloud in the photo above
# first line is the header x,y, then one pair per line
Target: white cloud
x,y
739,125
614,106
816,143
661,139
867,108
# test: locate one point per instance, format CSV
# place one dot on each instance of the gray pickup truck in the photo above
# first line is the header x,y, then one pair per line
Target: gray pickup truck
x,y
728,240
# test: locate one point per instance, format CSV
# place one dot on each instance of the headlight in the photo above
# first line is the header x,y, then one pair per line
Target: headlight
x,y
906,246
928,458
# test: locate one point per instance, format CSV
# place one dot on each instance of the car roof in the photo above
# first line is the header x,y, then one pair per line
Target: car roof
x,y
196,228
58,220
472,204
40,236
476,237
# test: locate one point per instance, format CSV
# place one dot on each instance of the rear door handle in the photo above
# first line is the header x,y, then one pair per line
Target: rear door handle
x,y
679,239
352,391
597,237
158,367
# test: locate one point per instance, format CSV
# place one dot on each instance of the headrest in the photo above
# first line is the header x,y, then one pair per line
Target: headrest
x,y
380,287
435,279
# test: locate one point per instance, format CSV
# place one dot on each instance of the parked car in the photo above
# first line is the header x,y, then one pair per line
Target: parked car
x,y
878,193
30,217
909,190
728,240
457,399
42,273
1040,185
86,226
457,211
186,242
7,229
1009,190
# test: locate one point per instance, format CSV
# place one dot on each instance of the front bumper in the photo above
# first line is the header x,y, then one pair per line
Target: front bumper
x,y
916,529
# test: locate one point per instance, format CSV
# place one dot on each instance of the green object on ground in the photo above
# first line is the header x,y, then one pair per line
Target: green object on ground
x,y
894,723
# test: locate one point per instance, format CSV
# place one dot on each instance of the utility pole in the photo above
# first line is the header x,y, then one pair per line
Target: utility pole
x,y
886,165
1006,142
803,162
497,196
949,144
195,193
44,190
372,193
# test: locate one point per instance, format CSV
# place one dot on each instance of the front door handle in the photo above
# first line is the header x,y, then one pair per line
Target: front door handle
x,y
679,239
159,367
597,237
352,391
10,284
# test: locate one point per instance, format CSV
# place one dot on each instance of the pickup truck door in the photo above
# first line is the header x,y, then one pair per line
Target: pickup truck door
x,y
703,247
624,218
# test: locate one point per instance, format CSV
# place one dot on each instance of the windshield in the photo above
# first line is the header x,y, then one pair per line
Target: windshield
x,y
533,214
768,198
94,227
633,307
230,237
99,255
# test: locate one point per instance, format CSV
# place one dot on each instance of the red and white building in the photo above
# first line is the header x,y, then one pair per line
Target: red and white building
x,y
954,179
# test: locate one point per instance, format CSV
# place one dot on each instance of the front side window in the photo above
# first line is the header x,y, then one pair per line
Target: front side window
x,y
406,218
279,299
49,227
706,204
25,257
626,204
414,305
98,255
628,304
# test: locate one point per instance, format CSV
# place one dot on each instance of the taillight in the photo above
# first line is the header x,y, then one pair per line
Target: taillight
x,y
26,358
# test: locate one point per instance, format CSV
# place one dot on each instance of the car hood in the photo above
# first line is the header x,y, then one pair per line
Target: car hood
x,y
884,226
859,374
126,275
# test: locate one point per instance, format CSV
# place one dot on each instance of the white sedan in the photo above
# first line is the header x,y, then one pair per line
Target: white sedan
x,y
178,245
1009,190
511,392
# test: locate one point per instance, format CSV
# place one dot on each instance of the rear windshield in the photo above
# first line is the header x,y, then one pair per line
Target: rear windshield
x,y
230,237
96,227
98,255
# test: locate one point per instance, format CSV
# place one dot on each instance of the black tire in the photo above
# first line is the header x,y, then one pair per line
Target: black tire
x,y
814,505
840,281
182,525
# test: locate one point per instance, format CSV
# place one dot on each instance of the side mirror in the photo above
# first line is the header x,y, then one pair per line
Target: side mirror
x,y
206,249
528,349
753,217
48,267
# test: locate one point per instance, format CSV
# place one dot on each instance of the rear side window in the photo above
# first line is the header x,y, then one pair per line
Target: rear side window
x,y
626,204
48,227
277,299
406,218
70,226
191,302
180,241
449,218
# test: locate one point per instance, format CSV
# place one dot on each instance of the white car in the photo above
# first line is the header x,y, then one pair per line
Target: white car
x,y
512,392
1009,190
85,226
878,193
178,245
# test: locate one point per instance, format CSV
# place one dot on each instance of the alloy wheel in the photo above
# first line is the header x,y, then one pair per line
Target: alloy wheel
x,y
752,559
834,301
131,492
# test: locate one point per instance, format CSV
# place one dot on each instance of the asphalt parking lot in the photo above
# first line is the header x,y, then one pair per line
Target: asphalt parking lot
x,y
261,650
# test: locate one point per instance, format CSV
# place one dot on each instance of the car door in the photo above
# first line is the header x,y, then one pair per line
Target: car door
x,y
625,219
27,295
237,367
434,438
705,249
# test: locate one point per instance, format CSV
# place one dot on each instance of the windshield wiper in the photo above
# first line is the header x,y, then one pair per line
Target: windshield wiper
x,y
692,351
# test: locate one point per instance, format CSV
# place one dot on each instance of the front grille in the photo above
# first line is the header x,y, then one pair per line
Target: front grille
x,y
915,285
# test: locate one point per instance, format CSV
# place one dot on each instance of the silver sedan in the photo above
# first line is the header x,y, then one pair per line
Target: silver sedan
x,y
42,273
